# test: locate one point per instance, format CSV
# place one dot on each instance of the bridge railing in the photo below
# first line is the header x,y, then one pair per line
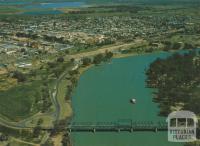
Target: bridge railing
x,y
134,124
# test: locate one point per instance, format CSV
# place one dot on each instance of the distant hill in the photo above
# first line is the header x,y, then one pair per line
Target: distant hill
x,y
144,1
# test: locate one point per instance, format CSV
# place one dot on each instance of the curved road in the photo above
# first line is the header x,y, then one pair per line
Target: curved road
x,y
56,114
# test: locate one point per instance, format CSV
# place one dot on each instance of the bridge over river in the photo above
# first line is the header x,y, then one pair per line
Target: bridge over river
x,y
117,126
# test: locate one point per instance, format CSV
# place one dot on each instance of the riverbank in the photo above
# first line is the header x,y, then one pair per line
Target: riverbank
x,y
81,70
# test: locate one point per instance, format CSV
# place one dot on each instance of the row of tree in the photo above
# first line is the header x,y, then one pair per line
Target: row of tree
x,y
177,45
97,59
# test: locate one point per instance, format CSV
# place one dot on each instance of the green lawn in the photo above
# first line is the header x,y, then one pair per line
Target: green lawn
x,y
17,102
9,9
65,107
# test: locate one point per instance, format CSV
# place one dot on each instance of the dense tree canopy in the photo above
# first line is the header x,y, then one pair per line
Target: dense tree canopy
x,y
177,80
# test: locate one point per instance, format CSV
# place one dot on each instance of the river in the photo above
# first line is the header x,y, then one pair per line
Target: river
x,y
50,8
103,94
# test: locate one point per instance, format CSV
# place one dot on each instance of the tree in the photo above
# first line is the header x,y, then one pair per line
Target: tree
x,y
108,55
86,61
188,46
46,102
74,81
67,52
73,72
72,60
59,126
49,142
175,78
98,59
51,64
23,50
54,25
19,76
36,131
33,73
3,137
167,45
176,46
60,59
40,121
56,73
66,139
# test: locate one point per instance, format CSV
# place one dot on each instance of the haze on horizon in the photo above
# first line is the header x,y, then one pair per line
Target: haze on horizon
x,y
104,1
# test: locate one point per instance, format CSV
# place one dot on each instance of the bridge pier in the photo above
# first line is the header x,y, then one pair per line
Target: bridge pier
x,y
94,130
118,130
131,130
156,129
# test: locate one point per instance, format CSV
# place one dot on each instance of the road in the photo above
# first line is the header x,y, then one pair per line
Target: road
x,y
137,42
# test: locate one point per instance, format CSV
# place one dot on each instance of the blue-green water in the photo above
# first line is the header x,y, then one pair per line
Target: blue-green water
x,y
54,5
103,94
50,12
49,8
6,3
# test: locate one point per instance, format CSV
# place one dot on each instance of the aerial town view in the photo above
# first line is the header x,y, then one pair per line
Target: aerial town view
x,y
99,72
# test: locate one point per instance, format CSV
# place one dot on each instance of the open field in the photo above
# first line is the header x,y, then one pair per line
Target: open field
x,y
65,107
6,83
17,106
